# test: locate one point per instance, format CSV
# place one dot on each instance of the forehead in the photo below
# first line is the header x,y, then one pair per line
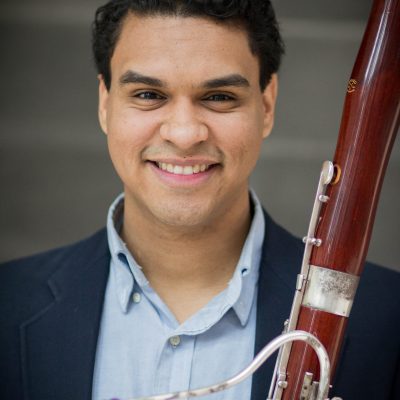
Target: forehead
x,y
185,46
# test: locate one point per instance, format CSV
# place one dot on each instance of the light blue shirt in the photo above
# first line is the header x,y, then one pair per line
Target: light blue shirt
x,y
142,350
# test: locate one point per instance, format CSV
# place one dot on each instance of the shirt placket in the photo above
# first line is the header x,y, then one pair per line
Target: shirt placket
x,y
175,363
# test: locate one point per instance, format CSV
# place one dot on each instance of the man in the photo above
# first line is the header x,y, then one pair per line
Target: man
x,y
190,278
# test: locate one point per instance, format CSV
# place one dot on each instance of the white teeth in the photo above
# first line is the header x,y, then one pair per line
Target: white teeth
x,y
178,169
186,170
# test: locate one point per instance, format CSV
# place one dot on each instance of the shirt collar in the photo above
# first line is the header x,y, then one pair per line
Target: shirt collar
x,y
244,281
242,287
123,265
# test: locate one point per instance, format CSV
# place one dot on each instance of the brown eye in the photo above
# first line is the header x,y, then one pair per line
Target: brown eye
x,y
146,99
219,97
148,96
221,102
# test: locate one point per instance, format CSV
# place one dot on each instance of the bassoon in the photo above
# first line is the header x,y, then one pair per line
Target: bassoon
x,y
351,184
341,223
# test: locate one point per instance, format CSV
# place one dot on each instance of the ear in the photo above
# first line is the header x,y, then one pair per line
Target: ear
x,y
269,100
103,103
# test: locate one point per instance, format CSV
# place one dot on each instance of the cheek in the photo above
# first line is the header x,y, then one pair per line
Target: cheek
x,y
242,140
129,132
128,135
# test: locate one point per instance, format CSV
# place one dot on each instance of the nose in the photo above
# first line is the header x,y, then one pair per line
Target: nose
x,y
183,127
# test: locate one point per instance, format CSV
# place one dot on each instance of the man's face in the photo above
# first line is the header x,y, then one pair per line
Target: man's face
x,y
185,118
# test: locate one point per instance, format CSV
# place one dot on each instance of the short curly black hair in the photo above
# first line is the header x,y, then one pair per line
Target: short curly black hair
x,y
256,16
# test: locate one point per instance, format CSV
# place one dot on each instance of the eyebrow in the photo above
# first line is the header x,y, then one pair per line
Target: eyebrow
x,y
236,80
228,80
135,77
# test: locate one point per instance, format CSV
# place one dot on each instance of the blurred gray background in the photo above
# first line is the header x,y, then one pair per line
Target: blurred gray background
x,y
56,179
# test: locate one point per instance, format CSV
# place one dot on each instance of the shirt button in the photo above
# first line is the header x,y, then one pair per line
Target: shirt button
x,y
136,297
175,340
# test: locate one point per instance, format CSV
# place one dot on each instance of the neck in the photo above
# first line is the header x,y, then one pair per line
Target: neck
x,y
187,266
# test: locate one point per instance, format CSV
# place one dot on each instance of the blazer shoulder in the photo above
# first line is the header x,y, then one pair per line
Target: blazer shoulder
x,y
39,267
376,307
379,285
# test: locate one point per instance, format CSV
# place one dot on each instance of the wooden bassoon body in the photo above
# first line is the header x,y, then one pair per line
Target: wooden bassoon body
x,y
338,248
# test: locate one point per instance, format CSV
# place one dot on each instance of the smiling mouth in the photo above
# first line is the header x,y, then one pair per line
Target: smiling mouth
x,y
183,170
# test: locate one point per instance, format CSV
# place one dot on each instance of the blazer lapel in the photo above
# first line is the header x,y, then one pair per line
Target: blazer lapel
x,y
59,342
280,263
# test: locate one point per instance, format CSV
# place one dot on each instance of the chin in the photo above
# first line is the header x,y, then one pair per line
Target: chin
x,y
181,216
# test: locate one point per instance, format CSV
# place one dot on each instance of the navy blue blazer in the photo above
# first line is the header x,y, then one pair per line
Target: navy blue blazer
x,y
51,304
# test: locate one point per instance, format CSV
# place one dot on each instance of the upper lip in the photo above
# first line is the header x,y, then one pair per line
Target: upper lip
x,y
184,161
